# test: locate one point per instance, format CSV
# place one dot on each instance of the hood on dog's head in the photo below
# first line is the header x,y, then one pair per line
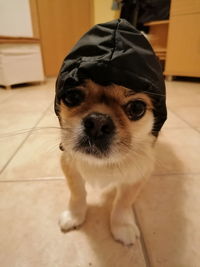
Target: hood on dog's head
x,y
115,52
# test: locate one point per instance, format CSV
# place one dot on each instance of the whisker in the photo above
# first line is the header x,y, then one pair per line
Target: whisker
x,y
89,143
118,167
28,130
53,148
35,129
152,93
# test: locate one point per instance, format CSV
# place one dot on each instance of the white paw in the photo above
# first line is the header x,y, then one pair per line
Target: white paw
x,y
69,220
125,233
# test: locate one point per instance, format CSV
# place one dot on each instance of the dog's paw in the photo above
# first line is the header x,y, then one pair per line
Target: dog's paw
x,y
69,220
125,233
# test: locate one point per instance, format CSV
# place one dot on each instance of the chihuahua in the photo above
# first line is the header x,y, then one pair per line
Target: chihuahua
x,y
110,101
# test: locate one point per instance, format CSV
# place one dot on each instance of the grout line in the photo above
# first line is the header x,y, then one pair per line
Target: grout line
x,y
198,130
176,173
40,179
22,143
173,112
142,241
55,178
62,178
191,126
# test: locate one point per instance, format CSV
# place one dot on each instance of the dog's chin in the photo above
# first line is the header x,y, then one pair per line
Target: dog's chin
x,y
99,149
99,158
100,153
92,154
96,157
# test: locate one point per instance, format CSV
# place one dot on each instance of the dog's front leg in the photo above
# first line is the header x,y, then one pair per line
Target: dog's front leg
x,y
123,227
77,206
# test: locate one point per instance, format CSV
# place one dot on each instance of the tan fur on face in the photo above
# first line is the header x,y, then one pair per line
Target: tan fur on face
x,y
108,100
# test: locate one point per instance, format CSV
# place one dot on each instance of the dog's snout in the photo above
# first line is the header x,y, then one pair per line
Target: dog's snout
x,y
98,125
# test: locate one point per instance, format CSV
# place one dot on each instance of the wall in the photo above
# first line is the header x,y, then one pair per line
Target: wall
x,y
15,18
103,11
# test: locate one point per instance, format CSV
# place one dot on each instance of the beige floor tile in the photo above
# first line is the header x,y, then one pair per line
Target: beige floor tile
x,y
8,146
30,235
16,122
189,114
5,94
177,151
20,110
40,154
173,121
19,113
181,94
37,158
30,99
14,128
168,213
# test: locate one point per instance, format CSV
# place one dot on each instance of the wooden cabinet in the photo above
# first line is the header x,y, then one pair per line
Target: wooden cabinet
x,y
157,36
183,46
59,24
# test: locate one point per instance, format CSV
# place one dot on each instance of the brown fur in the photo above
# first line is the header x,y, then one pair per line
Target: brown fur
x,y
127,167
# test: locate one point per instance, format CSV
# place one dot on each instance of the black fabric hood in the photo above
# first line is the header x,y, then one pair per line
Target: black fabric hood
x,y
115,52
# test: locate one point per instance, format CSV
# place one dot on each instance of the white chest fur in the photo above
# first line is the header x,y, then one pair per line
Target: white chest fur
x,y
132,169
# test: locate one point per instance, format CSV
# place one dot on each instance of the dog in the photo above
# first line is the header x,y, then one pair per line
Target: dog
x,y
110,101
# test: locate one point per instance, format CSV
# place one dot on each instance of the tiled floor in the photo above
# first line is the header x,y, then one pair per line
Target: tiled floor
x,y
33,191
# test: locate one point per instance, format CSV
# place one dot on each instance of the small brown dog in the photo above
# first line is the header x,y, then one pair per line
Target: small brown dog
x,y
110,100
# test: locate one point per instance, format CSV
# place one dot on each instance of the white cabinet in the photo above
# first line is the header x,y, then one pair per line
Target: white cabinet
x,y
20,63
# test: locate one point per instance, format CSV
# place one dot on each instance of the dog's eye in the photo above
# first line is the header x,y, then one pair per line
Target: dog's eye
x,y
73,97
135,109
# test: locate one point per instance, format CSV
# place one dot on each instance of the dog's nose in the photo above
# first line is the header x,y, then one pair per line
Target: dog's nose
x,y
98,125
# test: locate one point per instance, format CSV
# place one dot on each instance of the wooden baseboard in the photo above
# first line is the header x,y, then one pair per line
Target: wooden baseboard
x,y
18,40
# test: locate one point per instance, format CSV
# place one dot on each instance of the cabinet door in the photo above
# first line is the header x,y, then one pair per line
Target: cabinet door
x,y
183,49
61,24
181,7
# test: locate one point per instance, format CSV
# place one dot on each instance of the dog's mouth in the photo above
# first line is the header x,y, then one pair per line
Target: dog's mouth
x,y
96,147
